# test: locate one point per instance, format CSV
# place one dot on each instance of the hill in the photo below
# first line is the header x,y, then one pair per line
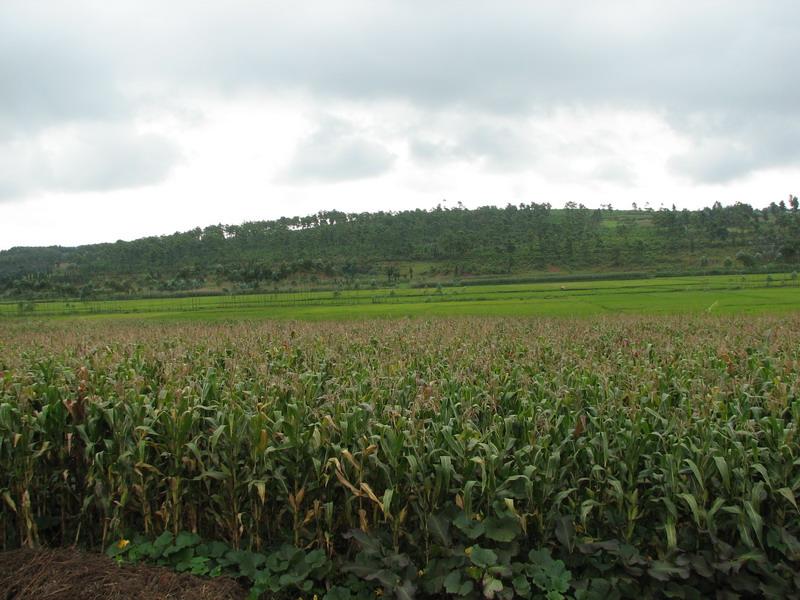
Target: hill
x,y
337,250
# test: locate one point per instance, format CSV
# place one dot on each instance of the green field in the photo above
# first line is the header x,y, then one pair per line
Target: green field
x,y
669,295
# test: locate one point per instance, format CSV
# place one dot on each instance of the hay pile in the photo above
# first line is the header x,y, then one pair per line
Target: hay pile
x,y
62,574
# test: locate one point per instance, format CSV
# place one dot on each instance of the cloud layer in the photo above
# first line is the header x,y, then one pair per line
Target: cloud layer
x,y
482,85
87,158
337,151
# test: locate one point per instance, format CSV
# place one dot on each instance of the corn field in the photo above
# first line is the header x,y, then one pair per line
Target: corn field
x,y
654,454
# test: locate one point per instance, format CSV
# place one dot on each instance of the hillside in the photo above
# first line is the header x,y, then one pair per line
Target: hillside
x,y
337,250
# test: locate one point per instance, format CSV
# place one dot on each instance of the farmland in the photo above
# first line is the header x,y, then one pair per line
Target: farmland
x,y
617,456
665,295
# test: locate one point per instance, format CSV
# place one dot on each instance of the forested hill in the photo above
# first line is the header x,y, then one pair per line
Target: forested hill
x,y
337,250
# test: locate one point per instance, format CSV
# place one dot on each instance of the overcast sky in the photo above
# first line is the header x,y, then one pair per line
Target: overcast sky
x,y
137,117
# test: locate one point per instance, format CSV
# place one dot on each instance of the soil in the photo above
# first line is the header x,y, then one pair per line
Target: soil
x,y
67,573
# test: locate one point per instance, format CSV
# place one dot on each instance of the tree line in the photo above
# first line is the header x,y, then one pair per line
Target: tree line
x,y
343,249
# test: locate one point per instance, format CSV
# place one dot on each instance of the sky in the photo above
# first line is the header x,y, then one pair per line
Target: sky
x,y
140,117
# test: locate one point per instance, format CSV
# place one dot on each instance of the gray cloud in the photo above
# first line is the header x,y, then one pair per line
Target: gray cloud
x,y
107,160
613,171
431,151
336,151
17,169
497,147
508,146
504,57
717,161
719,72
500,147
90,158
726,149
51,73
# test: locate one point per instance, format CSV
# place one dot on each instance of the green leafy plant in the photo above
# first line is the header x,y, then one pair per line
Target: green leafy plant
x,y
282,570
648,455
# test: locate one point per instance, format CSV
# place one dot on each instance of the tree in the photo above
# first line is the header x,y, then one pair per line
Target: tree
x,y
747,259
510,249
392,273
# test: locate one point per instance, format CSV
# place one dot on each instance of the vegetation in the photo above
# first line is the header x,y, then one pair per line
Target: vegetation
x,y
334,250
718,294
617,457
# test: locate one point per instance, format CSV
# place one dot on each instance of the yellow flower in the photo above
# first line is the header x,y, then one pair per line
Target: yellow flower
x,y
122,544
378,592
468,551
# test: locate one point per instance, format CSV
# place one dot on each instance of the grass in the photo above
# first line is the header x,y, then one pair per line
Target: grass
x,y
674,295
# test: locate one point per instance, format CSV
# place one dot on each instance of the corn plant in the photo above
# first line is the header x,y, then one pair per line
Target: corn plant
x,y
657,452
